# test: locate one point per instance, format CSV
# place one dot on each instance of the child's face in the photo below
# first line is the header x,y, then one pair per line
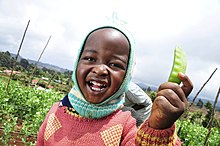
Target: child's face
x,y
102,64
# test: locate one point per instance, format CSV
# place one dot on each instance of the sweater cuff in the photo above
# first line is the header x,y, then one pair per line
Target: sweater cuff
x,y
149,136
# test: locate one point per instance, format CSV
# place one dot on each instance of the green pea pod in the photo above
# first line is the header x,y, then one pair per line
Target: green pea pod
x,y
179,65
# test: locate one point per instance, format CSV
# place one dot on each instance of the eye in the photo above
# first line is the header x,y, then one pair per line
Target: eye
x,y
117,66
89,59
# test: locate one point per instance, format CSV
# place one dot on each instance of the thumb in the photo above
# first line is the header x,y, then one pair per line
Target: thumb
x,y
187,83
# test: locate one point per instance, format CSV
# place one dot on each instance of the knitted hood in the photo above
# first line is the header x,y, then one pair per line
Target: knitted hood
x,y
116,98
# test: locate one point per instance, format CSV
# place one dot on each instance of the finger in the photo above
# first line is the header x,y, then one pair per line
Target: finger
x,y
187,83
163,104
172,97
176,88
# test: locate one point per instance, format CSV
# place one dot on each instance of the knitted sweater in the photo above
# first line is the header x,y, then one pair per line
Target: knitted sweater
x,y
62,127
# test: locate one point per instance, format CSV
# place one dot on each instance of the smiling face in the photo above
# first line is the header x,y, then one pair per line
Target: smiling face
x,y
102,65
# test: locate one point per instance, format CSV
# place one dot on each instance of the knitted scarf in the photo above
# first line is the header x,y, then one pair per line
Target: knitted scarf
x,y
94,111
89,110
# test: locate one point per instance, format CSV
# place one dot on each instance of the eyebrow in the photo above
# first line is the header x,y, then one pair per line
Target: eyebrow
x,y
123,59
92,51
115,56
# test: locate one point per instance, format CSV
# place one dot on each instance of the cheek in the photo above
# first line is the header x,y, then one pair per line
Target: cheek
x,y
80,73
118,79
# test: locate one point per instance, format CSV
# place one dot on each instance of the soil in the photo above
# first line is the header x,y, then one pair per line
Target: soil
x,y
15,140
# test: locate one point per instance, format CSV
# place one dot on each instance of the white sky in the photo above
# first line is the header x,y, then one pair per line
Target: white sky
x,y
157,25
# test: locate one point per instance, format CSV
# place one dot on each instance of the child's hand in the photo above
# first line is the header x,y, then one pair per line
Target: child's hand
x,y
170,103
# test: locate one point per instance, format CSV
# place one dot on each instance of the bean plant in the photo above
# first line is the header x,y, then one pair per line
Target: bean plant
x,y
193,134
23,110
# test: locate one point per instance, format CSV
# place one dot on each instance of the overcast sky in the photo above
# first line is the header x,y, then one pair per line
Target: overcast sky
x,y
157,26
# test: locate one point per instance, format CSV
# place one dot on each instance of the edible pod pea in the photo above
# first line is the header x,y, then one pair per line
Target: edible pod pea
x,y
179,65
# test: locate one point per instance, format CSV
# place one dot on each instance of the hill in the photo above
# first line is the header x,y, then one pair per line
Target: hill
x,y
48,66
145,86
41,64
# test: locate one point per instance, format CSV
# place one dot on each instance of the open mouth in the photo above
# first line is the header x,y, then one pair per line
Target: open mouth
x,y
96,86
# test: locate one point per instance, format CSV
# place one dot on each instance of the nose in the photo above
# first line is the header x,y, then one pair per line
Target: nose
x,y
100,69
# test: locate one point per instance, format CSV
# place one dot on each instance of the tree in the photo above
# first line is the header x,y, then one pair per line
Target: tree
x,y
7,54
37,72
209,108
68,73
153,95
24,63
149,89
5,60
208,105
200,103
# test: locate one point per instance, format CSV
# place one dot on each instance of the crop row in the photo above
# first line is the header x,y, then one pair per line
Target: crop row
x,y
23,109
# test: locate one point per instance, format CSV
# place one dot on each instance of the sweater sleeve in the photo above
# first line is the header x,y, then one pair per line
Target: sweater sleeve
x,y
148,136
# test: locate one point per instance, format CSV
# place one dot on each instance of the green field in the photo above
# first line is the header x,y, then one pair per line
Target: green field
x,y
23,110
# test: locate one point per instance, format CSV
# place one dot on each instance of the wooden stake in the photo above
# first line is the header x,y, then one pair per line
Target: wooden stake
x,y
7,87
211,119
202,87
31,77
213,110
187,109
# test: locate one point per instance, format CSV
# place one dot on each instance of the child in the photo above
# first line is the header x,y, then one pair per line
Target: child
x,y
91,113
138,103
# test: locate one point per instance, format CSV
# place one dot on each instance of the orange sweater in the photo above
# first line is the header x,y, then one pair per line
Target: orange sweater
x,y
62,127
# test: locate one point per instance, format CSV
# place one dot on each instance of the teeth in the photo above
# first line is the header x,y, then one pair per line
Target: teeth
x,y
97,84
97,89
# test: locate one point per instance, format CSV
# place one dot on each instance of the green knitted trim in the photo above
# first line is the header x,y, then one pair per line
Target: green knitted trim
x,y
93,111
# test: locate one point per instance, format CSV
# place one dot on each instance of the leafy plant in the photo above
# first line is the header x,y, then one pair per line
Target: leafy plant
x,y
194,134
24,109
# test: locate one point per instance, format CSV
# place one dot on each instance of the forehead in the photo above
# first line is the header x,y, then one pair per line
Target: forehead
x,y
108,38
107,31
